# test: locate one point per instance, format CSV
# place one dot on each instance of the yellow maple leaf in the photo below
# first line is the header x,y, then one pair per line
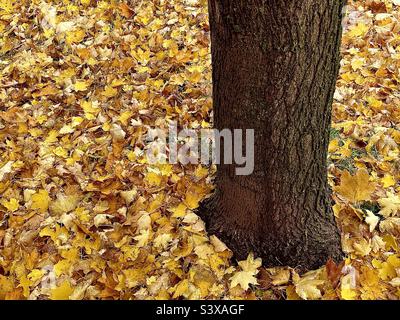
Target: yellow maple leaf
x,y
371,286
40,201
66,129
247,276
62,292
394,260
179,211
25,284
388,180
375,103
389,205
145,16
109,92
390,225
309,288
142,238
90,108
244,279
61,152
357,64
356,188
333,145
48,232
129,195
309,285
81,85
362,247
153,178
385,270
36,274
182,289
359,30
46,91
52,137
348,294
134,277
125,116
390,242
64,203
11,205
162,240
250,264
193,197
75,36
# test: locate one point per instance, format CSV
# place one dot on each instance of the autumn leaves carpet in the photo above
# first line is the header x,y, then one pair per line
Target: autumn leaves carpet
x,y
83,215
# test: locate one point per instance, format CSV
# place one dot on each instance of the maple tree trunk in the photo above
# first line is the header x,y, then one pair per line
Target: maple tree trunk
x,y
275,64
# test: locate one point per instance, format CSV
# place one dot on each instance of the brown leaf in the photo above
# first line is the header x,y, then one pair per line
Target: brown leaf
x,y
377,6
126,11
334,271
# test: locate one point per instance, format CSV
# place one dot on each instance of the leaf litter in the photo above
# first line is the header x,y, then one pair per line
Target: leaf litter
x,y
84,215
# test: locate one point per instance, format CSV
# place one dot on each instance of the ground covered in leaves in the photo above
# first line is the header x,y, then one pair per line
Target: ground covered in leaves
x,y
83,215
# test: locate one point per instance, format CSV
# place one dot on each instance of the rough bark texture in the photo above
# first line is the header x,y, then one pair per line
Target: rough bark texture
x,y
275,64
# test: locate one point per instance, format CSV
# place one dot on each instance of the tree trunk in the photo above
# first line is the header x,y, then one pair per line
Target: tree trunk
x,y
275,64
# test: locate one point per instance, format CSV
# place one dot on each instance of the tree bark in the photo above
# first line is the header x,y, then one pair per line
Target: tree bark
x,y
275,65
